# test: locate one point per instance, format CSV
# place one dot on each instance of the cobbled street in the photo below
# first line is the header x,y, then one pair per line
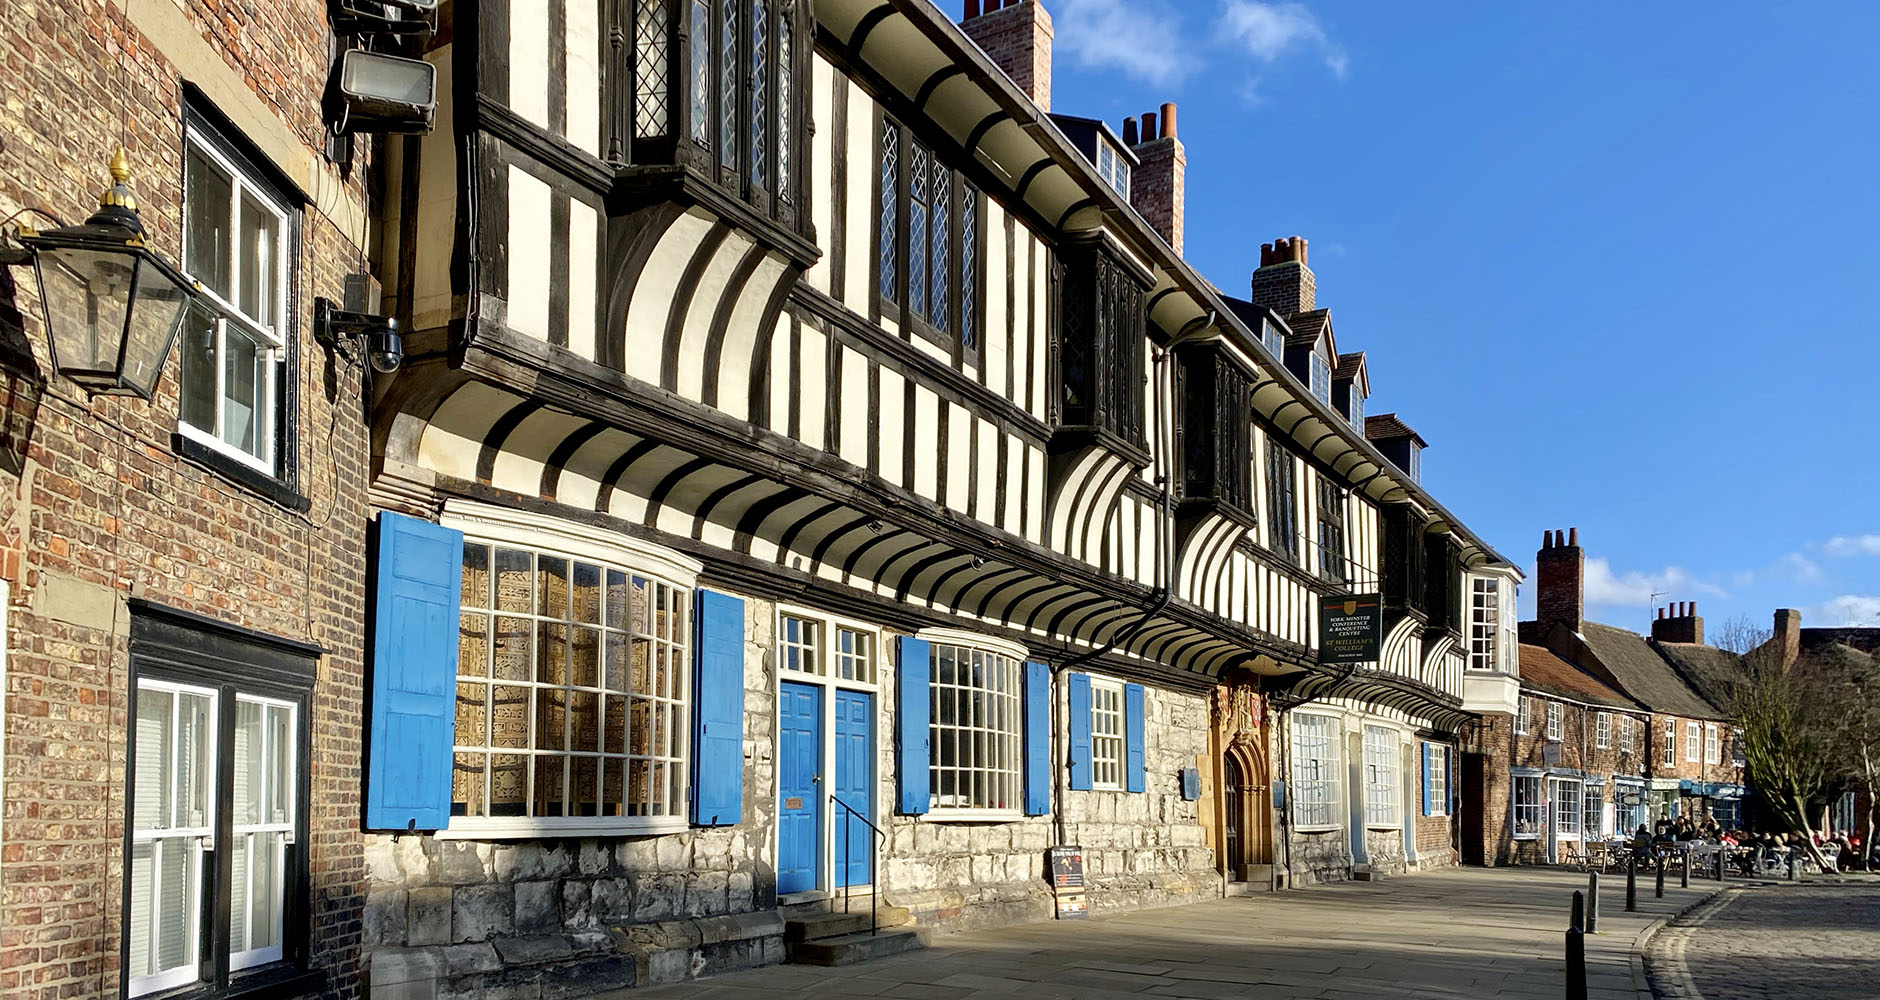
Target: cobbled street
x,y
1776,942
1446,935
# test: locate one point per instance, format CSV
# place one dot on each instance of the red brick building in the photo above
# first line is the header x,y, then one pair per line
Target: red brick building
x,y
1690,769
182,577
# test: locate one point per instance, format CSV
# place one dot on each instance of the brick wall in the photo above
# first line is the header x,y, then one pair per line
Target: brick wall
x,y
1018,38
101,508
1579,751
1158,187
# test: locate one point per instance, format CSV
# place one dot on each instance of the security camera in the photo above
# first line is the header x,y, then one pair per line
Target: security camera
x,y
384,347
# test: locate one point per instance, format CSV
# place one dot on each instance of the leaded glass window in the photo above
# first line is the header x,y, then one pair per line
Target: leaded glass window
x,y
886,230
728,86
701,73
760,111
938,234
649,68
969,267
785,56
917,204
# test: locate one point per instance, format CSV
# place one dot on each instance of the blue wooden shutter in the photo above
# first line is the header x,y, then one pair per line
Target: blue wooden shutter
x,y
1079,762
1037,739
1132,735
415,600
718,712
1426,778
913,667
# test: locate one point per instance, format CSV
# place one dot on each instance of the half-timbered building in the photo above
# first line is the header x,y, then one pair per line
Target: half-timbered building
x,y
816,470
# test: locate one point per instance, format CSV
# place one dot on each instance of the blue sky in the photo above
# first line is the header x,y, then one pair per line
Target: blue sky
x,y
1617,263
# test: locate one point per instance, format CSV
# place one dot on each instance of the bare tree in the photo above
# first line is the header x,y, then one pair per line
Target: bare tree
x,y
1789,745
1739,635
1849,678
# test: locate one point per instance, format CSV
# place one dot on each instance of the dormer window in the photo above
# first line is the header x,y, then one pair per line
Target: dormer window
x,y
1113,167
1321,381
1357,411
1273,340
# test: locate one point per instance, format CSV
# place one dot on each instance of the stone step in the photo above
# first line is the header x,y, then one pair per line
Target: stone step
x,y
817,926
852,948
1240,889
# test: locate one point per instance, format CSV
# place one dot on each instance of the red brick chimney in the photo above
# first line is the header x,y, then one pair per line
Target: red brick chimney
x,y
1561,567
1159,186
1017,35
1788,634
1678,622
1283,282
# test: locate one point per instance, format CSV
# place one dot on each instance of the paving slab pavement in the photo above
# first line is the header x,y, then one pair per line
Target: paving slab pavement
x,y
1440,935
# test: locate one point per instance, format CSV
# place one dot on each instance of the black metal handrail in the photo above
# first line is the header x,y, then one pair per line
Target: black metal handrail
x,y
874,879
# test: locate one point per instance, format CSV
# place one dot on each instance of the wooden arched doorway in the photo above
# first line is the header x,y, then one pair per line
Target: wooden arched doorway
x,y
1248,818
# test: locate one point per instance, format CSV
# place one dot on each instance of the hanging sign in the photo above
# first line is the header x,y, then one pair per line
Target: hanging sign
x,y
1351,629
1067,882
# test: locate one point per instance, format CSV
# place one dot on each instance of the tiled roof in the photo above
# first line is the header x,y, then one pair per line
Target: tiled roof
x,y
1348,365
1307,326
1386,426
1644,675
1542,670
1712,672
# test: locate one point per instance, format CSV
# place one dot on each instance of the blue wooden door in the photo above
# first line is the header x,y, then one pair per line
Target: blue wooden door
x,y
854,785
799,777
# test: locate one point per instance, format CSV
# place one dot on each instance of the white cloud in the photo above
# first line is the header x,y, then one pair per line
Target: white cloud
x,y
1853,545
1604,587
1848,609
1271,30
1141,40
1800,570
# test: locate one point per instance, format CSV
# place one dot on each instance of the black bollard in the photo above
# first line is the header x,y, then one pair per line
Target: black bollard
x,y
1592,903
1631,883
1576,953
1684,880
1661,878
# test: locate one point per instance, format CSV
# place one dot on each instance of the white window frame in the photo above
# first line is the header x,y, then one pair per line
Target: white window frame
x,y
1568,806
196,838
1602,731
1108,735
268,332
1484,622
1013,771
1593,809
1321,377
1523,716
1628,735
1438,768
1273,340
281,825
1534,808
1383,778
1316,775
1554,727
1712,747
1669,756
543,534
1692,734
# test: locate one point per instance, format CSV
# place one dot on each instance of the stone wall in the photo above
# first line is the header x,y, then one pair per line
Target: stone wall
x,y
1140,849
545,916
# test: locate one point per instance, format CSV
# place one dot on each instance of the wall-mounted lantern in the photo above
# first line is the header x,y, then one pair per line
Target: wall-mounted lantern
x,y
112,304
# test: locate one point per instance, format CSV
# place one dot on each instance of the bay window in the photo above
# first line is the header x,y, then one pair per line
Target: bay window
x,y
1331,511
572,689
1485,623
741,75
1315,767
975,730
927,242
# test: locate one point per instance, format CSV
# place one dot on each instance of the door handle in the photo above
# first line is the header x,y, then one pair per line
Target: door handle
x,y
816,780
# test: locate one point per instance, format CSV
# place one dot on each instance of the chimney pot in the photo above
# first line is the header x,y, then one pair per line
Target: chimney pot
x,y
1168,120
972,9
1547,539
1129,132
1573,536
1148,126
